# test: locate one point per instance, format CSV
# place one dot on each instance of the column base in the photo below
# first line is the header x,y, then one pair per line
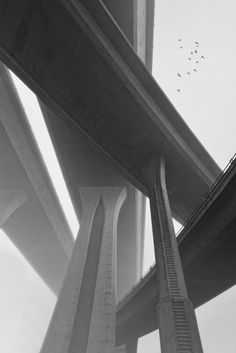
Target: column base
x,y
178,326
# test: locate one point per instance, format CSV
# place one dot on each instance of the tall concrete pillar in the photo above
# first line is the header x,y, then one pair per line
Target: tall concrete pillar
x,y
176,316
84,317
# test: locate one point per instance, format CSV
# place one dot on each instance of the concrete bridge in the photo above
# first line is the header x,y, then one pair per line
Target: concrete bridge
x,y
207,249
107,118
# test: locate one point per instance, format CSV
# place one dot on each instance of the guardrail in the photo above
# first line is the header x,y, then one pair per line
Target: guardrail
x,y
135,287
207,197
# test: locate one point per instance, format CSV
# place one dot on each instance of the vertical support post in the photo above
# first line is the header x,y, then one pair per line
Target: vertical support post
x,y
176,316
84,316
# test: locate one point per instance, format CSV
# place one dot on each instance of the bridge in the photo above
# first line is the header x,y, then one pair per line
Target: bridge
x,y
108,119
207,247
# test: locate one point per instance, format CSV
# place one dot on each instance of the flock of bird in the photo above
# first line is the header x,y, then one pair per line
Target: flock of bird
x,y
193,56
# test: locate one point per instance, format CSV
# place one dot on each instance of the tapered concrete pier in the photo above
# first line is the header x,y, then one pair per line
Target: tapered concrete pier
x,y
175,312
84,317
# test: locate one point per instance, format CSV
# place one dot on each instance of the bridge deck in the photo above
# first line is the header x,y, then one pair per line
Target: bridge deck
x,y
76,59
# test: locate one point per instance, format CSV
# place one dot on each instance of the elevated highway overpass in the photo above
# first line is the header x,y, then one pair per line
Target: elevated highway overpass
x,y
207,247
102,105
31,214
79,63
103,109
28,233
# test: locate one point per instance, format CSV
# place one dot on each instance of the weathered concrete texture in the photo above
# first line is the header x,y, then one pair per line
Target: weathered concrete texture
x,y
84,317
178,326
176,316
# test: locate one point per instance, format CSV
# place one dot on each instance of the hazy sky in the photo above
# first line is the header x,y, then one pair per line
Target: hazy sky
x,y
206,102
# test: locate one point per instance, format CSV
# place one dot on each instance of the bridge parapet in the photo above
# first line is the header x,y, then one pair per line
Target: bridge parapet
x,y
143,279
207,198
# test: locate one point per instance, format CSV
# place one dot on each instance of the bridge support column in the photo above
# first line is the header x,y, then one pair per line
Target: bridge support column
x,y
84,317
176,315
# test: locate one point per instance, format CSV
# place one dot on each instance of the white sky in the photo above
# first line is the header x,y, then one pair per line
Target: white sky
x,y
206,102
38,126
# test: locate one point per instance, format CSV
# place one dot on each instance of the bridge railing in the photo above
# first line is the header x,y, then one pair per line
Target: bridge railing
x,y
136,286
207,197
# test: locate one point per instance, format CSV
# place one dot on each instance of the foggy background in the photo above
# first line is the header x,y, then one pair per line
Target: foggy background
x,y
206,100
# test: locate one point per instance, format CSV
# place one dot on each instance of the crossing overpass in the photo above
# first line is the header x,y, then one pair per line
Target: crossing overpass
x,y
106,115
41,232
207,247
89,75
104,124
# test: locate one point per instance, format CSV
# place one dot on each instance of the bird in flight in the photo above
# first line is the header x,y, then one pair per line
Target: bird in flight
x,y
194,55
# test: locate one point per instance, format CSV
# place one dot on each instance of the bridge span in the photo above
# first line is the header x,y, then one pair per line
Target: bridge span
x,y
107,123
207,246
40,233
89,75
102,105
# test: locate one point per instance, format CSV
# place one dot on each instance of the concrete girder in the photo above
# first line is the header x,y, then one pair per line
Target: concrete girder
x,y
87,72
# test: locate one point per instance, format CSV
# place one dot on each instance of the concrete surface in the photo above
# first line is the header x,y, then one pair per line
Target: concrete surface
x,y
81,65
84,316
